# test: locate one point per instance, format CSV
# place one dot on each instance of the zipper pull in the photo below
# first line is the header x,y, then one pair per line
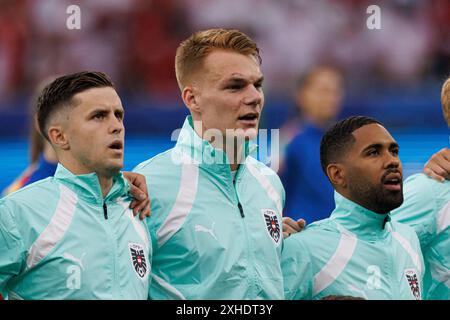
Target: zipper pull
x,y
105,211
241,210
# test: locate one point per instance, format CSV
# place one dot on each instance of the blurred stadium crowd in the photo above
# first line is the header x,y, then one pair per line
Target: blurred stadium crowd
x,y
388,72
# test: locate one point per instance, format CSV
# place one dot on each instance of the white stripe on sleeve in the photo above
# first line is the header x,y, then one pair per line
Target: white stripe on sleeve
x,y
266,185
183,203
56,228
337,263
443,218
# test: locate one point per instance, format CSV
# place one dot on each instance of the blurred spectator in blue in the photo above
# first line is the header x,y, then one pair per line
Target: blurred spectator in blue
x,y
43,163
43,158
318,97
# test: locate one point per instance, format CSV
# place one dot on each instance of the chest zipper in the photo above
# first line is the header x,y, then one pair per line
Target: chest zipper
x,y
105,211
241,210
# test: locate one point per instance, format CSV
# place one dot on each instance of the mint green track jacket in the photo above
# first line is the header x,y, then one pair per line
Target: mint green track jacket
x,y
427,209
60,239
212,238
355,252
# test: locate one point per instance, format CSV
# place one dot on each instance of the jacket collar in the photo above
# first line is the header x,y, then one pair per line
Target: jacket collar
x,y
87,186
201,150
359,220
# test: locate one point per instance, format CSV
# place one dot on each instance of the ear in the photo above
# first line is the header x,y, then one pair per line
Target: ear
x,y
336,174
57,137
190,99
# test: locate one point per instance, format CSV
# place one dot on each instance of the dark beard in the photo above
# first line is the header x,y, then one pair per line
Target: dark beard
x,y
375,197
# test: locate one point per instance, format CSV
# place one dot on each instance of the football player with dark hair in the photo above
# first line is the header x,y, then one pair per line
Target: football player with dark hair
x,y
74,236
358,251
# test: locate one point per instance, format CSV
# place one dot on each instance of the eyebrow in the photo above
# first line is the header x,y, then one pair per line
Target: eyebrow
x,y
106,110
98,109
380,145
235,80
239,79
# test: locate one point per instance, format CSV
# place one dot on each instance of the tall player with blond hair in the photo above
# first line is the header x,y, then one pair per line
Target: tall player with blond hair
x,y
216,220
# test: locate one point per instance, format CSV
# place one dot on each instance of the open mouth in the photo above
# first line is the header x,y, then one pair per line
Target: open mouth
x,y
393,181
116,145
250,117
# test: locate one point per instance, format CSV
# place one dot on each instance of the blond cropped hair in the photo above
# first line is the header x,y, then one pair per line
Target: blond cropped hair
x,y
192,52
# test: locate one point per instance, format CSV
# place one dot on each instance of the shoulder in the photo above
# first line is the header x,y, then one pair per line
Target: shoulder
x,y
315,233
402,227
30,209
151,165
167,175
166,169
268,179
423,199
313,246
419,180
262,172
34,201
420,185
163,169
39,192
409,240
406,231
419,198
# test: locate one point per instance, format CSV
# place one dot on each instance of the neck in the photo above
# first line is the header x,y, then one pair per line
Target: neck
x,y
105,184
233,149
49,153
232,146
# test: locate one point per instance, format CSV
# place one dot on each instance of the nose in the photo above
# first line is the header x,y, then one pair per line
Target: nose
x,y
116,126
392,161
253,96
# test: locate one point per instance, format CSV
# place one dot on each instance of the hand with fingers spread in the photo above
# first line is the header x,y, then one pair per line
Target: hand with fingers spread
x,y
138,189
438,167
291,226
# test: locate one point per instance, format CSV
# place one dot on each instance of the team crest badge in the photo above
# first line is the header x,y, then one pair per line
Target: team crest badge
x,y
138,259
413,282
272,224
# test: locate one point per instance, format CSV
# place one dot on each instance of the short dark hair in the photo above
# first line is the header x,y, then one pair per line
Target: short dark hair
x,y
59,93
338,139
